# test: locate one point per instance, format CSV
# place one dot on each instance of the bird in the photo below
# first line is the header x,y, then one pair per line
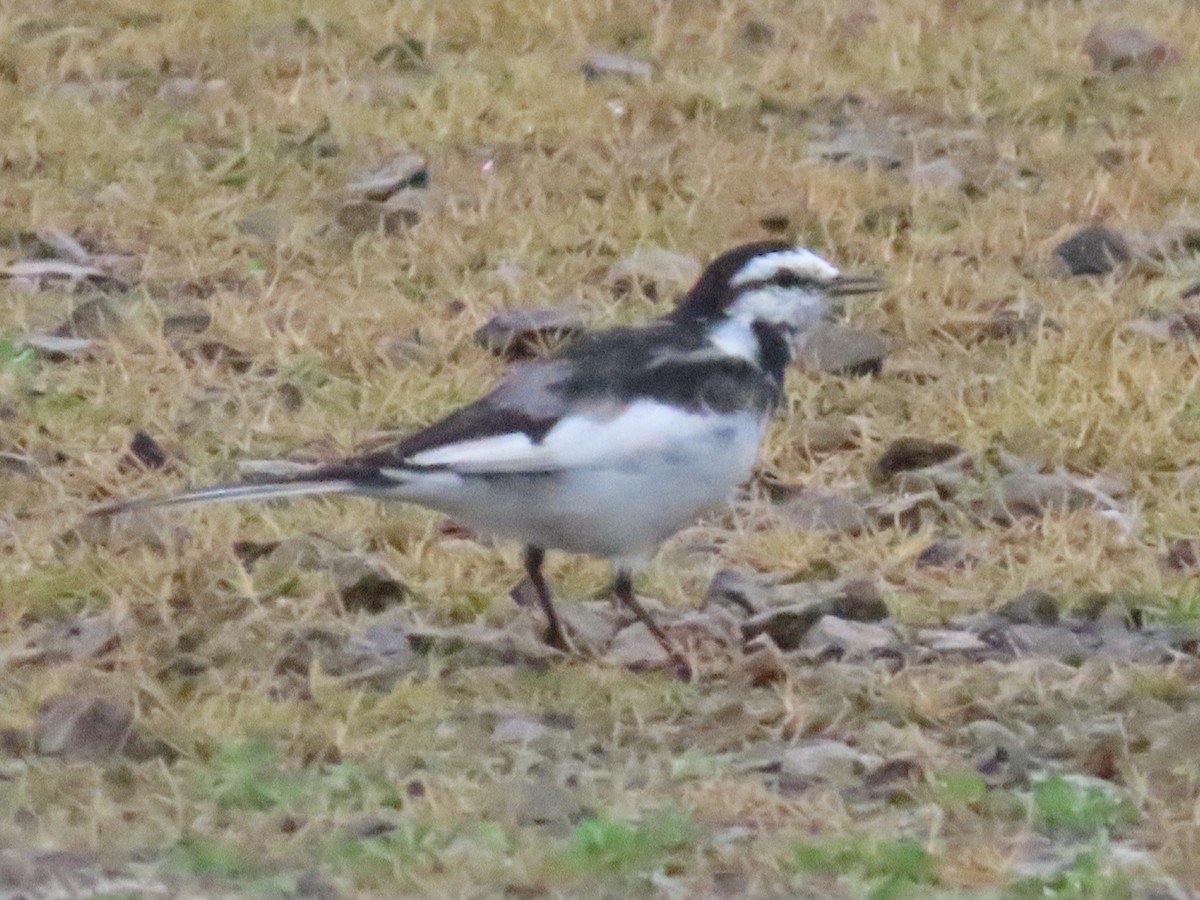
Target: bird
x,y
610,446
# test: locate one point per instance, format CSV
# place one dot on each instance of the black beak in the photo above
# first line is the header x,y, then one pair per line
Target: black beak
x,y
848,285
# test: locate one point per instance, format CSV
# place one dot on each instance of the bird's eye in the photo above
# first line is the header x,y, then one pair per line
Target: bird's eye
x,y
789,279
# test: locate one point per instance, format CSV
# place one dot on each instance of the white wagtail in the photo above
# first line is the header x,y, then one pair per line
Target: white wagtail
x,y
614,444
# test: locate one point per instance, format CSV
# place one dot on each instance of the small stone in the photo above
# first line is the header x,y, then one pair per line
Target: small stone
x,y
1053,642
652,269
937,173
826,511
1093,251
908,453
365,583
756,33
1113,48
842,350
1030,608
1184,326
145,452
82,727
18,464
266,224
615,65
184,93
517,730
100,317
1107,610
305,552
830,435
527,333
1160,329
856,20
855,640
291,396
84,638
137,527
1035,494
591,626
861,145
858,601
57,348
313,886
951,640
941,554
636,648
826,760
544,803
15,742
376,657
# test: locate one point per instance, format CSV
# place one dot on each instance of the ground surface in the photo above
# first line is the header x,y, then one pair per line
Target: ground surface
x,y
288,741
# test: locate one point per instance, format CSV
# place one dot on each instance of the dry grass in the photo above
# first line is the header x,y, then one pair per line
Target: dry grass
x,y
279,775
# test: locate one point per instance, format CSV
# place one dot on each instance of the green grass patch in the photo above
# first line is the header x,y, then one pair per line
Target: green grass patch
x,y
890,868
16,356
603,845
1087,877
1068,805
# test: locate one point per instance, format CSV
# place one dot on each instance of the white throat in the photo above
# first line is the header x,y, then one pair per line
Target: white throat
x,y
736,337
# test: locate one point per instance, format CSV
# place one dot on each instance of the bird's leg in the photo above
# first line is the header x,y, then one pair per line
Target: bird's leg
x,y
555,635
623,588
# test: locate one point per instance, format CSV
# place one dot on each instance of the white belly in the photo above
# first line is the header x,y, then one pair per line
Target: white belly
x,y
625,506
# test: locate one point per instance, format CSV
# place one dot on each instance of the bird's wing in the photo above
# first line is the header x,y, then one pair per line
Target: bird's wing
x,y
615,396
604,434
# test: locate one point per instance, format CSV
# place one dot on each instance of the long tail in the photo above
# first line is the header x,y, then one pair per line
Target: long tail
x,y
236,493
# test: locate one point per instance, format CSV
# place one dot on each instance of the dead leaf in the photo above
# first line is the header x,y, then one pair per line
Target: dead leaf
x,y
762,663
907,453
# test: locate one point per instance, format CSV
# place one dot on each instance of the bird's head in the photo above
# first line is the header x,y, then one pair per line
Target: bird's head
x,y
768,283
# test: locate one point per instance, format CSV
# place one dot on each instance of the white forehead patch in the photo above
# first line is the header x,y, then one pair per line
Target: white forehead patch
x,y
804,263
